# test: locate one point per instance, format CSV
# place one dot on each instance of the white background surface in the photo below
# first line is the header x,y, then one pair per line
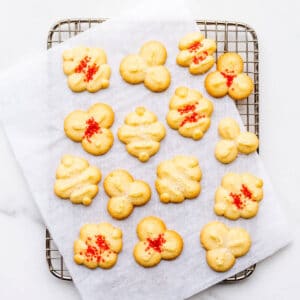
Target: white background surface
x,y
23,31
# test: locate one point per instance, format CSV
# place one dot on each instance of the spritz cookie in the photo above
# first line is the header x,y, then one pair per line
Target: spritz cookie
x,y
156,242
91,128
142,133
233,141
238,196
125,193
98,246
76,180
147,67
196,53
178,179
189,113
223,245
229,78
86,68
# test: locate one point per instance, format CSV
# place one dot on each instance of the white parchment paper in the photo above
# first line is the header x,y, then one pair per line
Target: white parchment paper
x,y
34,101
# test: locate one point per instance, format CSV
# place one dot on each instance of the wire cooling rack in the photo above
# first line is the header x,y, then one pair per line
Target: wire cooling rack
x,y
229,37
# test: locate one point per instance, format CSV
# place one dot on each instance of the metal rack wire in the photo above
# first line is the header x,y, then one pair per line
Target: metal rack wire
x,y
229,36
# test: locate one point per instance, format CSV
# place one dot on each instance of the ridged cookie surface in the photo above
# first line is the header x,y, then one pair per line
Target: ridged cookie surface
x,y
142,133
76,180
178,179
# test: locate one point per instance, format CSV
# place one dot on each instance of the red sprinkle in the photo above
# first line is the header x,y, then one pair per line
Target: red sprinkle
x,y
192,118
82,64
91,71
101,242
95,251
88,70
92,128
199,58
237,200
156,244
229,78
187,108
195,46
246,192
189,118
91,250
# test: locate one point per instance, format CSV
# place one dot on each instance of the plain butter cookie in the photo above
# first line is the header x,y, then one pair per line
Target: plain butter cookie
x,y
142,133
125,193
233,141
76,180
147,67
178,179
223,245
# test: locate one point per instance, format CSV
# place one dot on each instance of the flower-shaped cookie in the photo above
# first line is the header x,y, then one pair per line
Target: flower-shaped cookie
x,y
76,180
178,179
229,78
125,193
91,128
148,67
224,245
189,113
238,196
156,242
196,52
233,141
86,69
98,246
142,133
